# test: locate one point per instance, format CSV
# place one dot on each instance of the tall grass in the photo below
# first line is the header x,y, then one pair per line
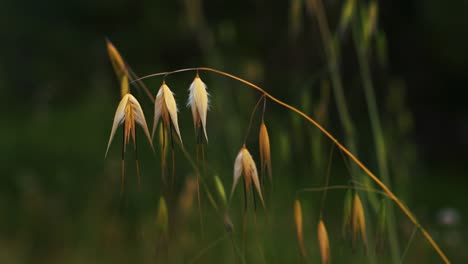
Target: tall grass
x,y
245,165
358,213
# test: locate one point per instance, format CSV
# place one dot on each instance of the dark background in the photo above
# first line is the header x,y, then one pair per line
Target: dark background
x,y
59,94
51,51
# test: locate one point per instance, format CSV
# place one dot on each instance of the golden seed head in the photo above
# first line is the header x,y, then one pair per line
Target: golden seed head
x,y
323,242
359,220
298,224
124,87
264,144
117,62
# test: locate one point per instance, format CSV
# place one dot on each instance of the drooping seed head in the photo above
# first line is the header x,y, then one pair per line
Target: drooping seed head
x,y
359,220
324,244
129,112
124,86
298,224
245,165
264,144
165,106
199,103
117,62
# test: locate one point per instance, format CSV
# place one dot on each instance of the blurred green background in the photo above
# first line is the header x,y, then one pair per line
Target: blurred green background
x,y
60,200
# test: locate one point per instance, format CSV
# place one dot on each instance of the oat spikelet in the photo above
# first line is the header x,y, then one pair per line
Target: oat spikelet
x,y
245,165
198,102
117,62
323,242
165,106
298,224
128,112
124,86
265,157
359,221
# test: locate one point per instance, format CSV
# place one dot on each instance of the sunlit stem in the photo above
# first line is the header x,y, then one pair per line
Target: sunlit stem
x,y
384,187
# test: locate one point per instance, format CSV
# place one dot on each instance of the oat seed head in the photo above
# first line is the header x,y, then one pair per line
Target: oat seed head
x,y
298,224
124,86
359,221
244,164
129,110
324,243
165,106
117,62
264,144
237,171
199,103
251,173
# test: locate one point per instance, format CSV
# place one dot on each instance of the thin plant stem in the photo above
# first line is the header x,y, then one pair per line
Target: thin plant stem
x,y
413,233
210,246
377,132
252,116
346,151
327,178
316,10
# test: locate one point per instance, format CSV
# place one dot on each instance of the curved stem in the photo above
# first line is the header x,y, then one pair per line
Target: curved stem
x,y
252,116
384,187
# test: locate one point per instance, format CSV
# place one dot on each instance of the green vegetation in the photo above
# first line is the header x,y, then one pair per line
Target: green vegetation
x,y
205,166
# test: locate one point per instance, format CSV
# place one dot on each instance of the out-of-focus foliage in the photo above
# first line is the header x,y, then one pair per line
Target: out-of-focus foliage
x,y
60,200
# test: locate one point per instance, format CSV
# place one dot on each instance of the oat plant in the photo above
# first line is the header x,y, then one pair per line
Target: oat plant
x,y
245,170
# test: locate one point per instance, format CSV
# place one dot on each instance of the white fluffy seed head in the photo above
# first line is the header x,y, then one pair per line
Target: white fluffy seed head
x,y
199,103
